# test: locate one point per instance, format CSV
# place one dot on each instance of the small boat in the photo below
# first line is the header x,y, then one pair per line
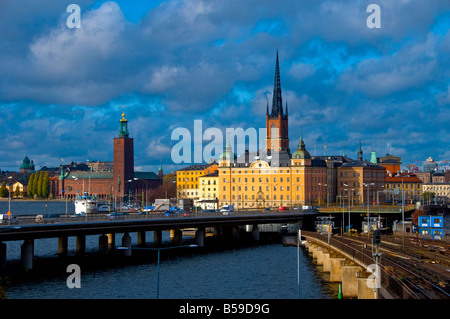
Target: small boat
x,y
85,204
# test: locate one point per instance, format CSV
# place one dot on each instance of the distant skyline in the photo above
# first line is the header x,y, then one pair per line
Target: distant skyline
x,y
176,61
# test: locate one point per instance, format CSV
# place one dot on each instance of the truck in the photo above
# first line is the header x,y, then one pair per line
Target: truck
x,y
227,209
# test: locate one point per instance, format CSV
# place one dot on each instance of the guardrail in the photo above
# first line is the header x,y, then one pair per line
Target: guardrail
x,y
363,209
62,218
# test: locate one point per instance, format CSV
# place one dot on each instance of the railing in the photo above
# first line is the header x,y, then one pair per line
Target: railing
x,y
374,209
62,218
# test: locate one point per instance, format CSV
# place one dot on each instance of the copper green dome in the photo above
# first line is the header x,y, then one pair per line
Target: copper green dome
x,y
228,155
27,164
301,152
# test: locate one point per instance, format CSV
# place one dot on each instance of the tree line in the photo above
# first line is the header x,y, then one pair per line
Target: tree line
x,y
38,185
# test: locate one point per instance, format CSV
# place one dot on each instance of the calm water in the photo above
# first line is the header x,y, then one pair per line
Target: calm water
x,y
258,272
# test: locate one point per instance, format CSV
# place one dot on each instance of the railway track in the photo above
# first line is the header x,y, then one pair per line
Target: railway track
x,y
423,279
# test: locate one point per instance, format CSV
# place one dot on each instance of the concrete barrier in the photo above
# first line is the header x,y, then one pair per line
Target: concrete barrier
x,y
364,292
350,281
336,264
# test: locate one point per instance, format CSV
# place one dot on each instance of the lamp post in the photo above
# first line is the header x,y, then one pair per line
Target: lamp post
x,y
159,255
298,260
403,213
368,205
343,209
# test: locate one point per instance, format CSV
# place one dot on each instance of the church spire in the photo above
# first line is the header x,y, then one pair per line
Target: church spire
x,y
360,152
277,102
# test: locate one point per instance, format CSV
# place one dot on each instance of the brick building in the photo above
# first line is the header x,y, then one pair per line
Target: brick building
x,y
121,183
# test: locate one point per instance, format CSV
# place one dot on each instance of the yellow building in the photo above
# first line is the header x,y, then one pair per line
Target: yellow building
x,y
209,191
21,187
403,184
271,179
188,179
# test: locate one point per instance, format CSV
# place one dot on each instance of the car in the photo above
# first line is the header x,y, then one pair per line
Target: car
x,y
209,211
185,214
46,218
5,219
115,216
169,213
281,208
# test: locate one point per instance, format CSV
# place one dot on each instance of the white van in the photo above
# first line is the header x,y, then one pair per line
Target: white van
x,y
227,209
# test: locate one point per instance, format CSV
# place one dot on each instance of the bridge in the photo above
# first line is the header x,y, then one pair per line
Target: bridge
x,y
107,227
373,209
402,273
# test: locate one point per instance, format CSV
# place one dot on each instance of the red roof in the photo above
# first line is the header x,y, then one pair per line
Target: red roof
x,y
406,179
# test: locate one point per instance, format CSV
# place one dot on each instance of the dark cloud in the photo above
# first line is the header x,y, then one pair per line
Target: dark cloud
x,y
61,89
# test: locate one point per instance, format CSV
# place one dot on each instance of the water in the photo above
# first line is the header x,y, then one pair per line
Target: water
x,y
267,271
21,207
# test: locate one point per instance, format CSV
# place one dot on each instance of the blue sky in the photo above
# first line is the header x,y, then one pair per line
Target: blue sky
x,y
172,62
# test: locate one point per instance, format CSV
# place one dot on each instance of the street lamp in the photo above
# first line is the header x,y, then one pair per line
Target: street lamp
x,y
159,254
9,196
368,204
299,234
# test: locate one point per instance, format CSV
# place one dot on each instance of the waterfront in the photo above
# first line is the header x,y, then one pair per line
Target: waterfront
x,y
265,271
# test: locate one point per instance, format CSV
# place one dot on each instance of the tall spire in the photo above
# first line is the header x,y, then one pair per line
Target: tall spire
x,y
277,102
360,152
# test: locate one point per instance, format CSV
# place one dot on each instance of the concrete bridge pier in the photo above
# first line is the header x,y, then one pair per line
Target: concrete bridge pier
x,y
176,235
320,255
350,281
216,231
126,242
315,251
103,245
111,241
80,245
327,261
336,264
27,254
141,238
200,237
255,233
236,232
2,255
157,237
364,292
62,245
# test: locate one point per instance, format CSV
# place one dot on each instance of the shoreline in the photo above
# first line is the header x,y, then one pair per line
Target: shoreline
x,y
33,200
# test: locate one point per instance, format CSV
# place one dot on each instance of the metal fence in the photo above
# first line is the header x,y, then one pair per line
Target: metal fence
x,y
71,218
